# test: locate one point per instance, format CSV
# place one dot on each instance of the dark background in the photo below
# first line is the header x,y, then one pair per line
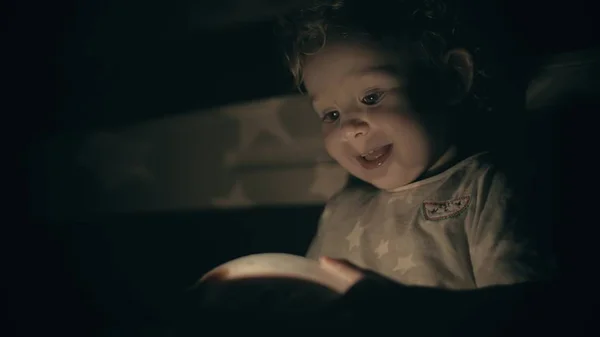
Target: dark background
x,y
114,62
78,65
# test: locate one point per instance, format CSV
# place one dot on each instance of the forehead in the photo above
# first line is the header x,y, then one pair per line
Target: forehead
x,y
336,62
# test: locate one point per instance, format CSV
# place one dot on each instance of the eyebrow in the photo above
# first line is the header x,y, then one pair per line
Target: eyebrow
x,y
384,69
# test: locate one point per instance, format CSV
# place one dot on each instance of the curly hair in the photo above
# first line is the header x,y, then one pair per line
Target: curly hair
x,y
430,27
307,30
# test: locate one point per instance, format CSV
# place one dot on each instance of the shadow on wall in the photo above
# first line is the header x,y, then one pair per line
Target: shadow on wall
x,y
263,153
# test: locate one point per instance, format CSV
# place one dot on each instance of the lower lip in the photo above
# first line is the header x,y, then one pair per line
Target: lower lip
x,y
373,164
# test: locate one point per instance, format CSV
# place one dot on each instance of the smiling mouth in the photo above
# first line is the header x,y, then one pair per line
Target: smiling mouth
x,y
376,157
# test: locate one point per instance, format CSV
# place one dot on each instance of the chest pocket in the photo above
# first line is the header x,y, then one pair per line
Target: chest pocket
x,y
443,210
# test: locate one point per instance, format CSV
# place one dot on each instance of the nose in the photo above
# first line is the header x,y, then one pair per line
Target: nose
x,y
355,128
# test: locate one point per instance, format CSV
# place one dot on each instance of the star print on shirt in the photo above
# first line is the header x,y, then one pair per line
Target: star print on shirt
x,y
404,264
354,236
382,249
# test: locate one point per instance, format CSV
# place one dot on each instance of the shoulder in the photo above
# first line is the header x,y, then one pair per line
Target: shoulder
x,y
488,169
481,164
484,179
492,173
477,173
498,189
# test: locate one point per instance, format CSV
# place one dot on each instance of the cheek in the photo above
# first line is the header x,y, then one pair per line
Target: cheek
x,y
327,129
331,139
395,109
408,133
396,120
336,148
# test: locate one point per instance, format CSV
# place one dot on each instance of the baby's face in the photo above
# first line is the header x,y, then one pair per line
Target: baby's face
x,y
368,124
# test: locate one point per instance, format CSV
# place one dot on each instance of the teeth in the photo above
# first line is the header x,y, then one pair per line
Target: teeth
x,y
374,154
372,158
368,153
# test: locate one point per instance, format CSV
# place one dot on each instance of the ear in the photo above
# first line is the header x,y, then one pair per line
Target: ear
x,y
460,61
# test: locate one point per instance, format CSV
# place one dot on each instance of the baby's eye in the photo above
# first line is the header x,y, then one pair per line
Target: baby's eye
x,y
372,98
331,116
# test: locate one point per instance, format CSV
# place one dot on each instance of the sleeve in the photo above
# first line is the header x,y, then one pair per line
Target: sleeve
x,y
506,244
